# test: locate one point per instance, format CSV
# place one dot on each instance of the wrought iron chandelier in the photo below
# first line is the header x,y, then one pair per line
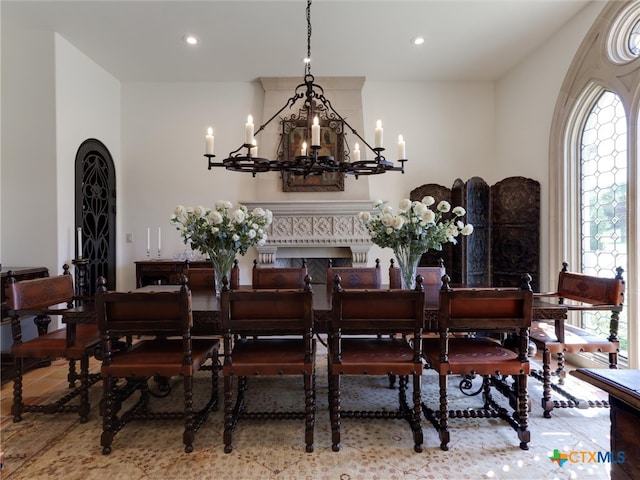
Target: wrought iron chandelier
x,y
316,114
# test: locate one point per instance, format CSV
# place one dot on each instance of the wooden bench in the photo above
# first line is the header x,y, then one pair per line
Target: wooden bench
x,y
579,293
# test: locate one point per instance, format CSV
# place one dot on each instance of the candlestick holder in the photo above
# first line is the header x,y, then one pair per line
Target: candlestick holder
x,y
82,286
148,253
159,254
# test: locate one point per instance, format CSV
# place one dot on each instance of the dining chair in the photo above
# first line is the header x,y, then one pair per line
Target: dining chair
x,y
585,295
162,320
467,317
267,332
278,277
355,348
432,280
204,279
43,298
354,277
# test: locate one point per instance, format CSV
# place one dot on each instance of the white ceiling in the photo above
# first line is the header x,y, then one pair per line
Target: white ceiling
x,y
243,39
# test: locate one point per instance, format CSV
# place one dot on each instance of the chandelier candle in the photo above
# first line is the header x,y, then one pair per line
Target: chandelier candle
x,y
378,136
303,149
209,141
356,153
248,131
401,147
315,133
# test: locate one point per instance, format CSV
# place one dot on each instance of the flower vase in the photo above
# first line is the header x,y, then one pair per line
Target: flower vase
x,y
222,261
408,257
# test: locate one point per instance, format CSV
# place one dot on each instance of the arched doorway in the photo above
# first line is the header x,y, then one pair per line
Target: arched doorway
x,y
95,200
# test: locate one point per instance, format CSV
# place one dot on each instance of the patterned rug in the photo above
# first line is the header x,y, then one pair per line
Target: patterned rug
x,y
59,447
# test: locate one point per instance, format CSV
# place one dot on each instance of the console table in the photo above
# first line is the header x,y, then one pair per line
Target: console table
x,y
163,272
623,387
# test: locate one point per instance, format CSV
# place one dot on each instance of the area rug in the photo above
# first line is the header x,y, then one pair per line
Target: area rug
x,y
58,447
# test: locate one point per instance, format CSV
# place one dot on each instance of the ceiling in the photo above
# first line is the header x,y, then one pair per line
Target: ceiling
x,y
242,40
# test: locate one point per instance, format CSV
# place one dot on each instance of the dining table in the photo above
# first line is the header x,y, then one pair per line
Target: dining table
x,y
206,311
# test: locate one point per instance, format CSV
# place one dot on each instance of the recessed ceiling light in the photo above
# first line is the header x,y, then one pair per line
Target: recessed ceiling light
x,y
417,40
191,39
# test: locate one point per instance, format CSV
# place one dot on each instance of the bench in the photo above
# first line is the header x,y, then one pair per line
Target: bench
x,y
579,293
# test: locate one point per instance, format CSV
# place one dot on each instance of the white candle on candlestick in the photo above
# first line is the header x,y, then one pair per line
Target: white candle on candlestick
x,y
209,142
159,240
303,150
148,239
248,131
356,153
315,133
79,246
378,136
401,148
254,149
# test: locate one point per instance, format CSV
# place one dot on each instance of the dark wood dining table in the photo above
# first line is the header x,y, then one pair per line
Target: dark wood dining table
x,y
206,311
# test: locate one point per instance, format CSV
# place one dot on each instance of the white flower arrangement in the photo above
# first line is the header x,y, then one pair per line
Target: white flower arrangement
x,y
222,229
415,225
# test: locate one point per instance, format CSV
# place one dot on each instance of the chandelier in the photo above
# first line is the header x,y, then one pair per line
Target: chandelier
x,y
310,158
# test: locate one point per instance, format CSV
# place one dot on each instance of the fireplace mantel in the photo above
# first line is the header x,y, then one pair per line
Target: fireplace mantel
x,y
315,229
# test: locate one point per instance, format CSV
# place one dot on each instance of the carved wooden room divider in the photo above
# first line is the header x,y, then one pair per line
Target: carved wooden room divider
x,y
506,239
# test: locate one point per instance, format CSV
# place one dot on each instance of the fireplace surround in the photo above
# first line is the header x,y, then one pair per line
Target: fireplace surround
x,y
315,229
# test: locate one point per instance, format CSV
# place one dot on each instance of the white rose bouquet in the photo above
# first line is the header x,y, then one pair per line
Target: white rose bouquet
x,y
222,232
414,229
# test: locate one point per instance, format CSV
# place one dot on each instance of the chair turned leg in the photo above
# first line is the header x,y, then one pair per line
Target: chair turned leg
x,y
17,407
228,413
444,414
309,409
416,422
84,407
72,376
188,436
547,403
334,409
108,415
523,412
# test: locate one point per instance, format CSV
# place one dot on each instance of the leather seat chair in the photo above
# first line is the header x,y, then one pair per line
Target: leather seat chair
x,y
43,298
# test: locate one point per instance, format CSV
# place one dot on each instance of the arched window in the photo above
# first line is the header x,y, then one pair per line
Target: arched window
x,y
603,200
594,164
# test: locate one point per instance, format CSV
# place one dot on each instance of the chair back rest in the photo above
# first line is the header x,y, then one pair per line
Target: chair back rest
x,y
204,279
267,311
144,313
590,289
485,309
432,281
278,277
357,311
40,293
355,277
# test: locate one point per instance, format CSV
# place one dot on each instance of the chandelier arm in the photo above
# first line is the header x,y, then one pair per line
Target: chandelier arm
x,y
325,101
290,103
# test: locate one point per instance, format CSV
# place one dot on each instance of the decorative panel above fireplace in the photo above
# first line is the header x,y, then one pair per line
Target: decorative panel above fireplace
x,y
315,229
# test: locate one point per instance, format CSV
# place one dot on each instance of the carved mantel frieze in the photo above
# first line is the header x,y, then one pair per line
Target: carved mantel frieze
x,y
315,229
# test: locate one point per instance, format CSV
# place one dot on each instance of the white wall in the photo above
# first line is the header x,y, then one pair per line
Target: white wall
x,y
87,106
28,212
525,102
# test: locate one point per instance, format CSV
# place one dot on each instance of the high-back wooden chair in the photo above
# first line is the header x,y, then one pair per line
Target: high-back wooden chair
x,y
163,320
354,277
279,324
278,277
585,294
431,280
485,311
43,298
204,279
358,315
